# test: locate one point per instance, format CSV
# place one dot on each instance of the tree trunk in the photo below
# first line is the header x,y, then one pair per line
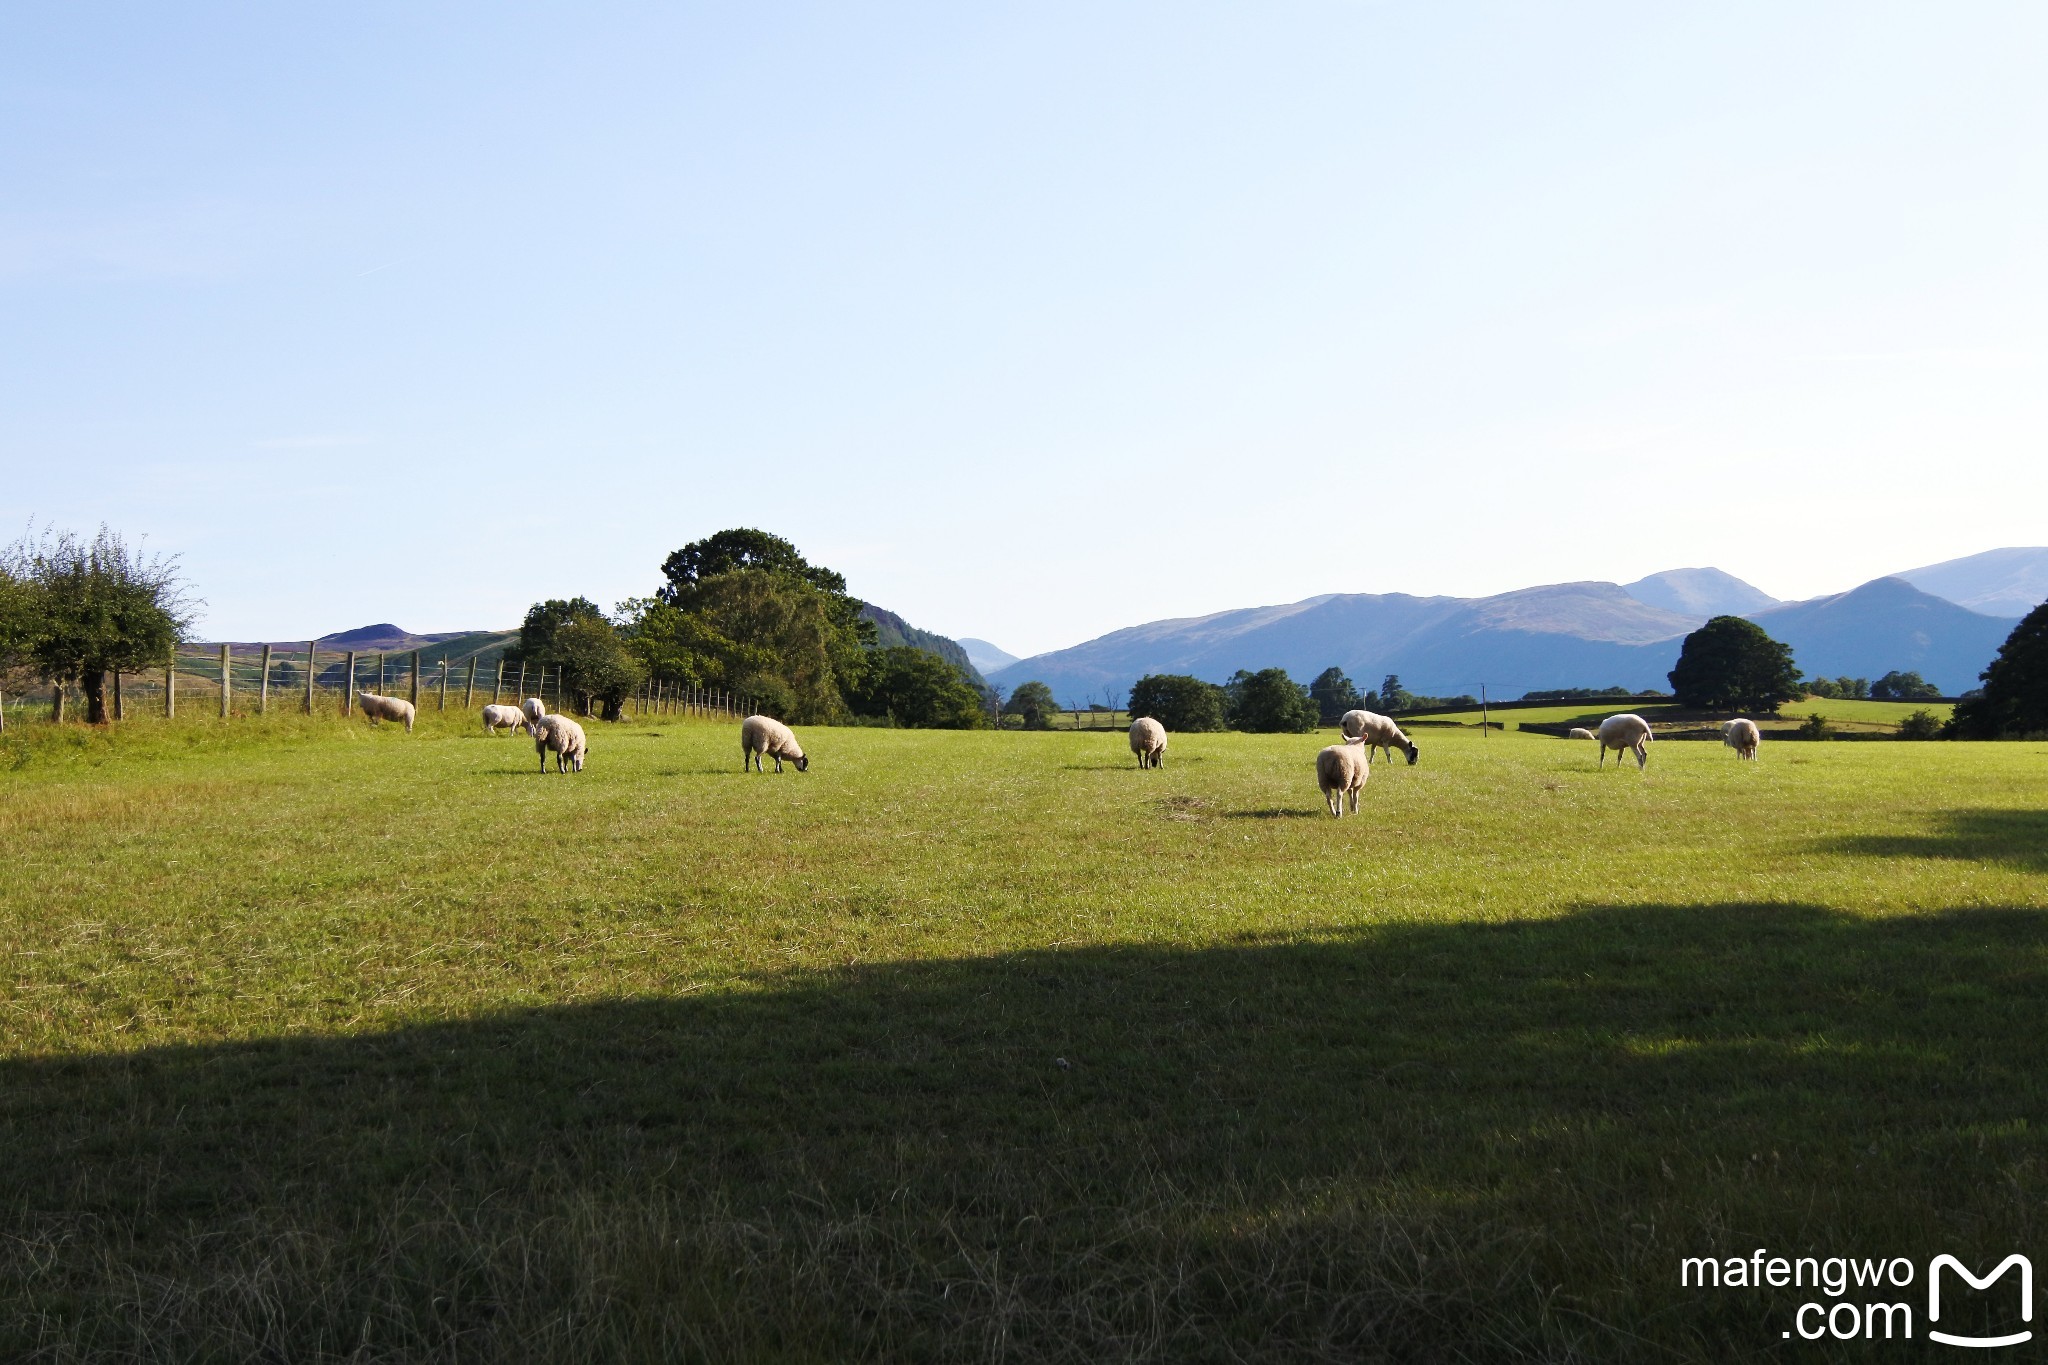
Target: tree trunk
x,y
57,703
95,684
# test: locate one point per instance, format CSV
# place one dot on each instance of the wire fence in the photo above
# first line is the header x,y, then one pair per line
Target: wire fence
x,y
230,682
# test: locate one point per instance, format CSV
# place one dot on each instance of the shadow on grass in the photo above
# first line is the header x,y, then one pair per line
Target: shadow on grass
x,y
2018,838
1279,813
1413,1142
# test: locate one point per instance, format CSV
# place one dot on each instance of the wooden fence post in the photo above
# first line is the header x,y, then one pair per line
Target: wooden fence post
x,y
227,682
443,705
383,684
522,682
469,693
414,697
498,687
56,703
348,687
312,671
171,686
263,688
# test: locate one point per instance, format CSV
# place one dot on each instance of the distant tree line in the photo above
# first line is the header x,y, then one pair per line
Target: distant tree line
x,y
744,612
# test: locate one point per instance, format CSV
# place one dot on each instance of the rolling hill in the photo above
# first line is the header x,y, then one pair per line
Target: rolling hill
x,y
1700,593
1562,635
2008,582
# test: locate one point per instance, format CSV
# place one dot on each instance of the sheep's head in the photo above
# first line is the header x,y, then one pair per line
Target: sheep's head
x,y
802,764
1414,753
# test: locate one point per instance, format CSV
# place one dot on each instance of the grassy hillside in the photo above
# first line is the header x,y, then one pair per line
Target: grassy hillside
x,y
330,1043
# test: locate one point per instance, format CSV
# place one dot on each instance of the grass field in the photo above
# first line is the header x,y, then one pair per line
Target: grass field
x,y
326,1044
1848,715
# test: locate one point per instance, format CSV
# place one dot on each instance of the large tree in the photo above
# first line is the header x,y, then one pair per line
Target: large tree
x,y
1034,702
84,608
599,670
1270,702
917,689
773,636
1181,703
2014,701
1730,664
745,548
1334,695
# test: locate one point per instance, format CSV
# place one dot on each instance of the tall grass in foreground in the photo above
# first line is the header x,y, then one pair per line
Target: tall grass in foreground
x,y
325,1043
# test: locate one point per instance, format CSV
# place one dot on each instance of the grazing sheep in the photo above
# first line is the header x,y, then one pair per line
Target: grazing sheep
x,y
1742,736
765,735
1580,732
1341,771
378,708
1378,732
1148,742
534,708
1625,733
511,717
562,736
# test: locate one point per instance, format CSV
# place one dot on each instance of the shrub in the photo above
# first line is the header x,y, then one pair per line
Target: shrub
x,y
1815,726
1922,724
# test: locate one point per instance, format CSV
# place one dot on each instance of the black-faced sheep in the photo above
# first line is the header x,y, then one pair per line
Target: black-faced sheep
x,y
761,735
562,737
1378,732
1625,733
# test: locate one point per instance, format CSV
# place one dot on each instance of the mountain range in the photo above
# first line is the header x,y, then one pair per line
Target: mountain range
x,y
1566,634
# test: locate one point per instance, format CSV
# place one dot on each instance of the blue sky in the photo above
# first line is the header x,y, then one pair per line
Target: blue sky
x,y
1035,321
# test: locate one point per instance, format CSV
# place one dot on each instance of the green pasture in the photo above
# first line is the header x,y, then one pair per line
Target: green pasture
x,y
324,1043
1848,715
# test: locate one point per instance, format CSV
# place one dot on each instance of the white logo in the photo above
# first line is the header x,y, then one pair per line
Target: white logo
x,y
1934,1298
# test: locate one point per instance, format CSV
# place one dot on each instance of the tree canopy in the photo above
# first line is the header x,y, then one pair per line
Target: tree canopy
x,y
79,609
743,548
913,687
2014,701
1897,686
1731,664
1183,704
599,670
1334,695
1270,702
1034,702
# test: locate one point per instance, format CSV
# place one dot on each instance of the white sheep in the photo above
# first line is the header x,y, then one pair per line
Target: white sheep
x,y
761,735
511,717
1580,732
1378,732
1742,736
1341,771
1625,733
534,708
378,708
561,736
1148,742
